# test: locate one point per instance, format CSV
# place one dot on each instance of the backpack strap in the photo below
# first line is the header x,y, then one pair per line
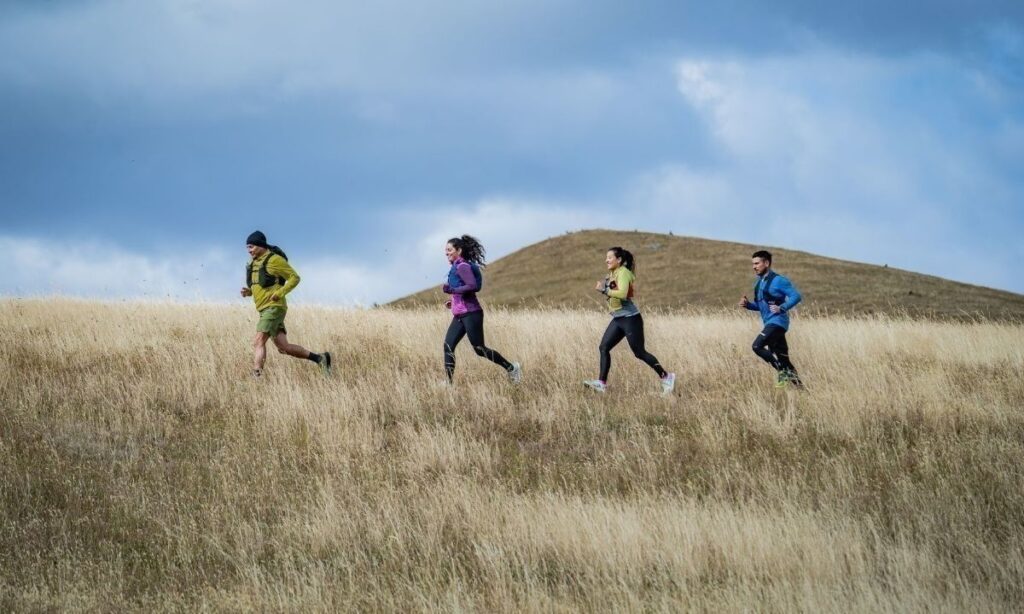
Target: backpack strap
x,y
272,280
766,285
264,278
778,298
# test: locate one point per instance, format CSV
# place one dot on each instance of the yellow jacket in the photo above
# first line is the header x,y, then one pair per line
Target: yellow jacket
x,y
277,267
618,287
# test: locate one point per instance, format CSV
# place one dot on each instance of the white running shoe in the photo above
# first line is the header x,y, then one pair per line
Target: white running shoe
x,y
516,373
596,385
668,384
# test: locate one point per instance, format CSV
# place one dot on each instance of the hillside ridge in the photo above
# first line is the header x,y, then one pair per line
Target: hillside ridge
x,y
679,273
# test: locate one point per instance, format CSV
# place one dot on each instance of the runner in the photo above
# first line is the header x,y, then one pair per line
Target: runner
x,y
268,278
465,279
774,297
626,321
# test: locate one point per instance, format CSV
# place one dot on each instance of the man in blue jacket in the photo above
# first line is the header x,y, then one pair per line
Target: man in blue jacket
x,y
774,296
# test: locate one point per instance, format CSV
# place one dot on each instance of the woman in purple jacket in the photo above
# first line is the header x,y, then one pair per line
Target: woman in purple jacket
x,y
466,256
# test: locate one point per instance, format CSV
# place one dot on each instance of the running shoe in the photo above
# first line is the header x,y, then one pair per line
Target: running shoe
x,y
515,373
325,363
793,378
596,385
780,379
668,384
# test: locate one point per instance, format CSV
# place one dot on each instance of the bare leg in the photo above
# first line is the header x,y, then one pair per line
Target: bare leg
x,y
259,351
291,349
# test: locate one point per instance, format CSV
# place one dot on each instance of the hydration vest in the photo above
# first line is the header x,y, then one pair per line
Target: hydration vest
x,y
265,279
454,281
772,299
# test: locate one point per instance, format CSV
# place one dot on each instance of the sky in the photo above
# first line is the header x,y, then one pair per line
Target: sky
x,y
143,141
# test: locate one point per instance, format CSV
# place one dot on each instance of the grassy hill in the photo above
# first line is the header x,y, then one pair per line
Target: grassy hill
x,y
142,470
685,272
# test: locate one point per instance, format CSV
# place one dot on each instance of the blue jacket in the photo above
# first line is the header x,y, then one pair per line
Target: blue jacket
x,y
780,291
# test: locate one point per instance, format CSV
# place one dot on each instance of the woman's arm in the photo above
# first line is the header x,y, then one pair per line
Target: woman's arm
x,y
465,273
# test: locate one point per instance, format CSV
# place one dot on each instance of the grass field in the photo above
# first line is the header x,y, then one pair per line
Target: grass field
x,y
142,469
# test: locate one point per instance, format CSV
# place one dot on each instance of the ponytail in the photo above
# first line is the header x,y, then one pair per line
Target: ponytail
x,y
626,257
472,250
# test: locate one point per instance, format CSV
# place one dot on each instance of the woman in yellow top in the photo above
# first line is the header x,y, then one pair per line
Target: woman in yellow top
x,y
626,320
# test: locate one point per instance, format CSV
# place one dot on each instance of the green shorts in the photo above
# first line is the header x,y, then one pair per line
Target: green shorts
x,y
272,321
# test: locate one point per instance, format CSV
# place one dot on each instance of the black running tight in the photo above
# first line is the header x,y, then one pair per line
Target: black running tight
x,y
471,324
771,346
632,329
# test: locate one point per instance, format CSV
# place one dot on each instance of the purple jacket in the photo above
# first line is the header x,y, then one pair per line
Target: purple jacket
x,y
463,294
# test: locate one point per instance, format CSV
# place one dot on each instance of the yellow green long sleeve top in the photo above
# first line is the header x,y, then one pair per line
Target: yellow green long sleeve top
x,y
277,267
618,287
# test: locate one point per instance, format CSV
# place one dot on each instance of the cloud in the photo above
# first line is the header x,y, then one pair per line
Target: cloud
x,y
388,128
503,224
101,270
165,52
413,258
685,201
409,261
850,156
250,53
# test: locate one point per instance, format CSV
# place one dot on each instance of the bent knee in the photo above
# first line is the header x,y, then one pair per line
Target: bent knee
x,y
480,350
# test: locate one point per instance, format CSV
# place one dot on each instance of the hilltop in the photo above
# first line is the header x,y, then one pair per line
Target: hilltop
x,y
679,273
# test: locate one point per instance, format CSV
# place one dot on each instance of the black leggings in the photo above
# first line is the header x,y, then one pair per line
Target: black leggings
x,y
471,324
632,328
771,346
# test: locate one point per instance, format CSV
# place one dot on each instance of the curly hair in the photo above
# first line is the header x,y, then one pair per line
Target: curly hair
x,y
472,250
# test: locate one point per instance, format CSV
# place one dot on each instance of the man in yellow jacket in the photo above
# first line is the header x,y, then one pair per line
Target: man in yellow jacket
x,y
269,278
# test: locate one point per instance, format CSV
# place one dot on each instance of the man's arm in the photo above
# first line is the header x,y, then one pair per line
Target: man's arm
x,y
793,296
279,267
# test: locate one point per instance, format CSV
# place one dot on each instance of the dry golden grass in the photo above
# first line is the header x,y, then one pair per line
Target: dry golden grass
x,y
140,467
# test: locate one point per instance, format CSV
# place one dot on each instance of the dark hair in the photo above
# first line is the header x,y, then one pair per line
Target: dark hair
x,y
625,256
763,255
471,249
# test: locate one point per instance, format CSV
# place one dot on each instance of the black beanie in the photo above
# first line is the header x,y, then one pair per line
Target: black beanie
x,y
257,238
